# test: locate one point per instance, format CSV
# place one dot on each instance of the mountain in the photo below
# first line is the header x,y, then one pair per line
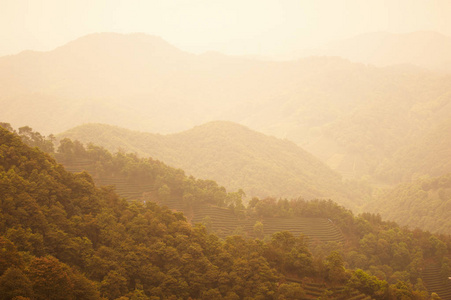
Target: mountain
x,y
424,203
350,115
427,49
133,80
356,117
61,237
231,154
427,154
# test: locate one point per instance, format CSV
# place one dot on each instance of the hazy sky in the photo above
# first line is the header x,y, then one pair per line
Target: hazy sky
x,y
229,26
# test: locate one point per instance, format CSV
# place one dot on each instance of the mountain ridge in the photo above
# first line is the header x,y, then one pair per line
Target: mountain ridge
x,y
231,154
427,49
362,113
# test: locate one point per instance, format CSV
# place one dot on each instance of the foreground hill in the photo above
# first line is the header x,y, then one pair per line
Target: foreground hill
x,y
232,155
63,238
61,233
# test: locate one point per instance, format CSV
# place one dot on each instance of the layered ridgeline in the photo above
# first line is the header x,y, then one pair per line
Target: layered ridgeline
x,y
136,80
63,238
424,203
234,156
429,154
427,49
353,116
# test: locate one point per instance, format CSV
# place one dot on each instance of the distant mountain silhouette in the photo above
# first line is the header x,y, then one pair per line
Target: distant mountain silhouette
x,y
134,80
351,115
426,49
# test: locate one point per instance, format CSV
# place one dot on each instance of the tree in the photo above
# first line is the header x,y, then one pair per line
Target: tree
x,y
7,126
164,193
35,139
258,230
113,285
335,268
434,296
291,291
9,257
368,284
50,279
14,283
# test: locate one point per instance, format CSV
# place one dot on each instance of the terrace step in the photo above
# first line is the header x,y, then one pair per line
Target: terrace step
x,y
435,283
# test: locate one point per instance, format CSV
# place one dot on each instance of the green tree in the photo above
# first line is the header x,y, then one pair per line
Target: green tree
x,y
291,291
259,230
9,256
14,283
368,284
335,268
113,285
164,193
50,279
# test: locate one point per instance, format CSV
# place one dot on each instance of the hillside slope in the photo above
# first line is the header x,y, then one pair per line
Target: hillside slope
x,y
231,154
61,237
429,153
424,203
153,85
351,115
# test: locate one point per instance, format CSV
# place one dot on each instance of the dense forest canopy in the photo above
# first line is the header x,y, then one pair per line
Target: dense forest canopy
x,y
321,171
59,232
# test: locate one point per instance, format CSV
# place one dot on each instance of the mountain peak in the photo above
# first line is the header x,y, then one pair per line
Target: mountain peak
x,y
119,42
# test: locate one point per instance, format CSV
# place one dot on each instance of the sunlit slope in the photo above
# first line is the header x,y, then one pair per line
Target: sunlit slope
x,y
61,237
224,222
353,116
356,118
424,203
200,201
102,238
232,155
428,154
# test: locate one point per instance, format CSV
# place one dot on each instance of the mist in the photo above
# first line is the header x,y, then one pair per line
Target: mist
x,y
225,149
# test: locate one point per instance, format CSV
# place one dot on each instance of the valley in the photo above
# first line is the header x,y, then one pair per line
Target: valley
x,y
132,169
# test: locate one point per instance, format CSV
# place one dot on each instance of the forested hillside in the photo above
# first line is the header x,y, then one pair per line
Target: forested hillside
x,y
353,116
424,203
428,154
59,232
63,238
234,156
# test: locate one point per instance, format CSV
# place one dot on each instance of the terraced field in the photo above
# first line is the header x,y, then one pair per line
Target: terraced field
x,y
222,221
125,188
78,165
225,222
314,291
435,283
317,229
